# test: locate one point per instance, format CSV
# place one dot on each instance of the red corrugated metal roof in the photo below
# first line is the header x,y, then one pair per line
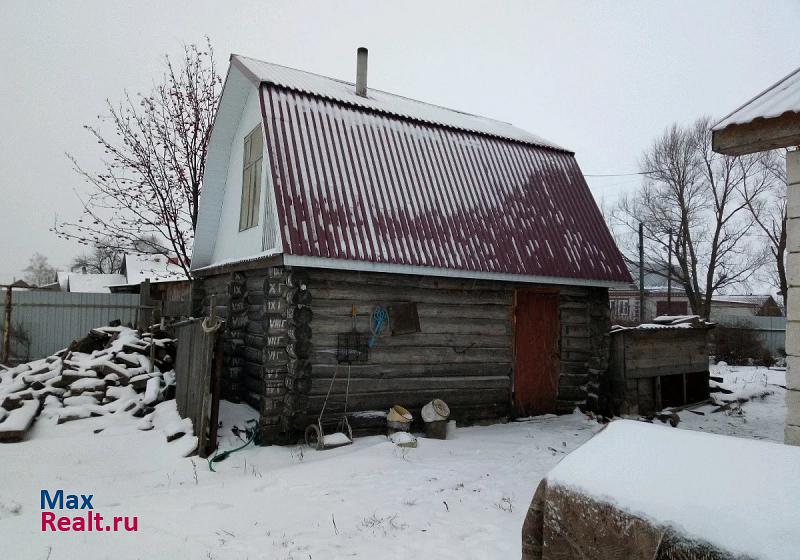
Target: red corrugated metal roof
x,y
356,184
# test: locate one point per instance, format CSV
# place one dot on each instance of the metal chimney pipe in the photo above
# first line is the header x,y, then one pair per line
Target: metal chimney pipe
x,y
361,72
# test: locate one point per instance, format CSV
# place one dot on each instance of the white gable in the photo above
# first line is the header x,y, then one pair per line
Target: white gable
x,y
218,238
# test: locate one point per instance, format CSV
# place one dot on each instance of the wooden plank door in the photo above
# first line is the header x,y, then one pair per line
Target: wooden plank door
x,y
536,334
196,381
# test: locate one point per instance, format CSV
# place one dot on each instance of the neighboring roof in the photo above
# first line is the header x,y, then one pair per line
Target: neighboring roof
x,y
778,99
156,268
381,101
356,185
88,283
747,299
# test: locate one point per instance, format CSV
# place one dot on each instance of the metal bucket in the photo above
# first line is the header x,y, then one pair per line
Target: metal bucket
x,y
436,429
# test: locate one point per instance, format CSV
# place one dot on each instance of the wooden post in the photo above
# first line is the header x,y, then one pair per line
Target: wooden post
x,y
216,389
658,393
685,399
7,327
145,306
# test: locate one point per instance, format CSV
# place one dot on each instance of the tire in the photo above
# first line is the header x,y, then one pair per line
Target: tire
x,y
314,436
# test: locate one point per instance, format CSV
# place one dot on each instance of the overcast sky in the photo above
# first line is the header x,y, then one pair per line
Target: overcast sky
x,y
601,78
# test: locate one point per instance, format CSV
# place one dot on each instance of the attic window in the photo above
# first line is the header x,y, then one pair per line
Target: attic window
x,y
251,179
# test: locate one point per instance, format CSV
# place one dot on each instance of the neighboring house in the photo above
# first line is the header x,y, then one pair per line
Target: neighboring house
x,y
768,121
325,203
155,268
136,269
746,305
659,299
82,282
169,287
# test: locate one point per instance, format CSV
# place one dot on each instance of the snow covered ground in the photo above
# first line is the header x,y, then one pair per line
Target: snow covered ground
x,y
761,417
464,497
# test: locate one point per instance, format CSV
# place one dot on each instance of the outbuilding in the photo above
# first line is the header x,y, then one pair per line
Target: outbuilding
x,y
429,252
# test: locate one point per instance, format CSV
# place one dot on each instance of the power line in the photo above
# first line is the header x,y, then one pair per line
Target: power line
x,y
617,174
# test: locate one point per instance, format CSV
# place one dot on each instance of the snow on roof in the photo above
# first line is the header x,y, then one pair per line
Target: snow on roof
x,y
90,283
376,100
156,268
782,97
738,494
749,299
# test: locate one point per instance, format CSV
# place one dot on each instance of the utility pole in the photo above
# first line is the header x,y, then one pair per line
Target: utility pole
x,y
641,272
7,328
669,275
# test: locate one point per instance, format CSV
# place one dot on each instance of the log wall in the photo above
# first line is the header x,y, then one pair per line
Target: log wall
x,y
462,355
281,341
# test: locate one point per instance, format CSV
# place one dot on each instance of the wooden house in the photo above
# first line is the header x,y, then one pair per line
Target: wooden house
x,y
326,203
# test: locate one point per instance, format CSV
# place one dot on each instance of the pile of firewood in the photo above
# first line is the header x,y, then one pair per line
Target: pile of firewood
x,y
112,369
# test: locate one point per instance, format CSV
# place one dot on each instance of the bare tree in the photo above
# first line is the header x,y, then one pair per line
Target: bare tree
x,y
105,258
698,196
145,199
767,204
39,272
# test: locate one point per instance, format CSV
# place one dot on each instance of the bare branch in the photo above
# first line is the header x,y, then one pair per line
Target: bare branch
x,y
145,197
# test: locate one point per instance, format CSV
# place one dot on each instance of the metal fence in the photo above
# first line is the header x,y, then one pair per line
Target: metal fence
x,y
770,330
44,322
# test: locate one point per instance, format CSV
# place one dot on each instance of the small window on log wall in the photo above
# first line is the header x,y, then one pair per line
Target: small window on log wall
x,y
251,179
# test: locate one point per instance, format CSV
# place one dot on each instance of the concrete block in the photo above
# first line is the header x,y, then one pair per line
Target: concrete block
x,y
793,203
793,234
793,408
793,168
793,180
793,373
791,435
793,338
793,310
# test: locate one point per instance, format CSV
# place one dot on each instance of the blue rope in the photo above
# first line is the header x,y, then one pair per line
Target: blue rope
x,y
380,318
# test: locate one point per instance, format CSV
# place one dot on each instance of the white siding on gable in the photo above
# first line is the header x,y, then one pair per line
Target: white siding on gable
x,y
230,242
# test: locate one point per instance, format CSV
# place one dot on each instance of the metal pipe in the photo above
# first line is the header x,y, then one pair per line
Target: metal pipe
x,y
361,72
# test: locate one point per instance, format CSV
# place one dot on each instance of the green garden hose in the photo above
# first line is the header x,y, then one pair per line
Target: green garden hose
x,y
217,457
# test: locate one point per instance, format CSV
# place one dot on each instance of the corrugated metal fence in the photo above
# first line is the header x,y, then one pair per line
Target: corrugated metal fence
x,y
44,322
770,330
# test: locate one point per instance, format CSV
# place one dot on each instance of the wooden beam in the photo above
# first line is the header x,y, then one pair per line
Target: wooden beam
x,y
758,136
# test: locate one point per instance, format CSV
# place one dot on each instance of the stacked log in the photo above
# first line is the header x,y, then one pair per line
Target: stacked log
x,y
585,321
298,350
112,370
233,341
274,356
